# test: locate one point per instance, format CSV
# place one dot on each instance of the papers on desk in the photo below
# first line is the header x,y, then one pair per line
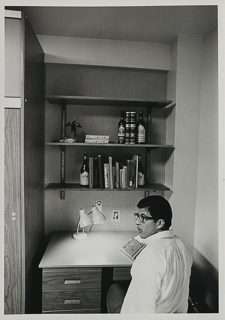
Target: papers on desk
x,y
132,248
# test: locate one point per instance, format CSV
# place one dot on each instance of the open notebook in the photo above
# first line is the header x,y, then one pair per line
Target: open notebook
x,y
132,248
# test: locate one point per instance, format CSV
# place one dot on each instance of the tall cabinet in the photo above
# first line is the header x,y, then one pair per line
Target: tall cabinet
x,y
24,165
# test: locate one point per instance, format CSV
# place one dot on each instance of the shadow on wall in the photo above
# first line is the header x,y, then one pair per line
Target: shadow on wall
x,y
204,284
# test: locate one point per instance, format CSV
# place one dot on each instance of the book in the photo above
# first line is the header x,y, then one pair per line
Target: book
x,y
97,137
91,172
100,170
117,164
110,173
95,173
96,140
135,158
131,173
132,248
106,176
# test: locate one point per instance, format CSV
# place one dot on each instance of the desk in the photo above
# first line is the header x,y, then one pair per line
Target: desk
x,y
77,273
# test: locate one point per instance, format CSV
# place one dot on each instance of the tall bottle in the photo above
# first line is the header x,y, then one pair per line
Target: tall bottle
x,y
141,128
121,129
84,172
141,173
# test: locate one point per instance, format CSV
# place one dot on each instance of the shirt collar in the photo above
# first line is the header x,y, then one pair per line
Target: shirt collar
x,y
158,235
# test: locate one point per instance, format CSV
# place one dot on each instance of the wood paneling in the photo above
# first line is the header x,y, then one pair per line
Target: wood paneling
x,y
33,166
13,218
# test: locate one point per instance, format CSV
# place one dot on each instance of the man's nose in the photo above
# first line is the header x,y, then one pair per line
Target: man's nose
x,y
137,221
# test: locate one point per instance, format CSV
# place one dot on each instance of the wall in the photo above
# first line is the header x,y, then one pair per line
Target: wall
x,y
206,216
184,87
106,52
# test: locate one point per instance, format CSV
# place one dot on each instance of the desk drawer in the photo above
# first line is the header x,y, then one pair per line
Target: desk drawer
x,y
78,301
71,278
120,274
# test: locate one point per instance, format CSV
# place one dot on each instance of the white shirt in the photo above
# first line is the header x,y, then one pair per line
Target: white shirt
x,y
160,276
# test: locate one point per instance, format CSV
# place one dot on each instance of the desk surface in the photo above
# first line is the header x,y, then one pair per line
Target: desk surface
x,y
99,249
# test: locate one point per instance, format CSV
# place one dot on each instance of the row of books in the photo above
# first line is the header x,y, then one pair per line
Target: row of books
x,y
113,174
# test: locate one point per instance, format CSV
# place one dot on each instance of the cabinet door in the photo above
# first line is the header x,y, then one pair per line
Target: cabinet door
x,y
12,229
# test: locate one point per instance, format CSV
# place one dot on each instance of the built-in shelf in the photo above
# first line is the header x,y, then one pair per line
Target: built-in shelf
x,y
82,144
106,101
77,187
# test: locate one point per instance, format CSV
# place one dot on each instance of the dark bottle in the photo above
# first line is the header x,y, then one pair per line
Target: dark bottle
x,y
84,172
141,173
121,129
141,131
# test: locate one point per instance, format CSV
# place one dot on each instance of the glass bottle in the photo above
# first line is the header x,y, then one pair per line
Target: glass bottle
x,y
141,173
141,128
121,129
84,172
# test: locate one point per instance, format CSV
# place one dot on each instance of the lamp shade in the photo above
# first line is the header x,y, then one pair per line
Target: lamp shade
x,y
84,219
98,217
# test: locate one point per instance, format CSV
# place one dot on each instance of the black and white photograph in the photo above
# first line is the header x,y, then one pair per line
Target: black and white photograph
x,y
113,172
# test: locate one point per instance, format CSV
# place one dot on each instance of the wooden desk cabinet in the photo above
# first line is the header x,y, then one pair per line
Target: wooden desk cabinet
x,y
72,271
71,290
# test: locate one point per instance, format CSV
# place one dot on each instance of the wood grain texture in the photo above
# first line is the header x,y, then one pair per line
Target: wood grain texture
x,y
120,274
79,299
55,278
12,225
33,129
61,293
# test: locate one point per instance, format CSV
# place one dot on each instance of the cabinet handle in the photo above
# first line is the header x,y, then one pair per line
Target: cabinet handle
x,y
71,301
72,281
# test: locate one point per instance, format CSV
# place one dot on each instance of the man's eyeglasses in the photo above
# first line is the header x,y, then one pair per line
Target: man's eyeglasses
x,y
142,217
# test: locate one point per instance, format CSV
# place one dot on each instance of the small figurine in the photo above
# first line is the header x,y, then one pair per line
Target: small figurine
x,y
74,125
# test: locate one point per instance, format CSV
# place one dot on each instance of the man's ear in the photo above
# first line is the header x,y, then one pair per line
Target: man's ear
x,y
160,224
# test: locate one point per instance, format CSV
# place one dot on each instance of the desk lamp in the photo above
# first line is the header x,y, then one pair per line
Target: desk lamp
x,y
85,221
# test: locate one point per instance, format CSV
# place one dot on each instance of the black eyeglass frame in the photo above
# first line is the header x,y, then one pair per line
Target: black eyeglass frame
x,y
142,217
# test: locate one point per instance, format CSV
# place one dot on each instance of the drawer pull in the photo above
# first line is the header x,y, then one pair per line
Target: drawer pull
x,y
71,301
72,281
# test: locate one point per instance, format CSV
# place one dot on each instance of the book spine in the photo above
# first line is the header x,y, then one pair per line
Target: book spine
x,y
96,141
95,173
110,173
101,137
106,175
101,182
122,178
91,182
135,158
149,125
117,175
125,176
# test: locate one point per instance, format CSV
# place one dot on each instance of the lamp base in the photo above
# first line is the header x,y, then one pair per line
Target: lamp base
x,y
80,236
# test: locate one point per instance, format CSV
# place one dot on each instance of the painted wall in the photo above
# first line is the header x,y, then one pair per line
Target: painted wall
x,y
206,216
184,87
106,52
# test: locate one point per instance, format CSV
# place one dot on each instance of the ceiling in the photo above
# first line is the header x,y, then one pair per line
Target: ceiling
x,y
159,24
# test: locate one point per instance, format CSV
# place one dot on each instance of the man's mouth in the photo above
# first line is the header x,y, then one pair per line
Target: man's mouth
x,y
139,230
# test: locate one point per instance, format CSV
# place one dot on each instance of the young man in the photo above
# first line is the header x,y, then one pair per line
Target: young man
x,y
161,272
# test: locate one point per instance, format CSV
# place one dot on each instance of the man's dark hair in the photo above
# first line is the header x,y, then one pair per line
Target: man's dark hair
x,y
159,208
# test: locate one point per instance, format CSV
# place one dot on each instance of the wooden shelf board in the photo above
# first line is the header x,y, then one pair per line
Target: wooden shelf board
x,y
82,144
77,187
105,101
